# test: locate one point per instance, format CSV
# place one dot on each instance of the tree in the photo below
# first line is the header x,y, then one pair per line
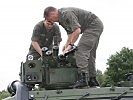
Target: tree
x,y
4,94
119,64
99,76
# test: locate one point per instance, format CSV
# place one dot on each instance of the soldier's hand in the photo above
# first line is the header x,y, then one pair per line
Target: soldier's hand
x,y
67,49
64,47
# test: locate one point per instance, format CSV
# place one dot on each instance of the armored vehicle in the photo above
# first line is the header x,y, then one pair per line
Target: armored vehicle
x,y
50,77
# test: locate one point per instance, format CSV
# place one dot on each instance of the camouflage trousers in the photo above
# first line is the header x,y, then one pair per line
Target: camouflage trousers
x,y
86,53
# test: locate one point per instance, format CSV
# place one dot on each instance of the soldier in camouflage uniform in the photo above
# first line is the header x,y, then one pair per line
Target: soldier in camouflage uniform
x,y
77,21
42,36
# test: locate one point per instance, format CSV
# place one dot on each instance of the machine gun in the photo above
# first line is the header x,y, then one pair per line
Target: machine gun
x,y
51,71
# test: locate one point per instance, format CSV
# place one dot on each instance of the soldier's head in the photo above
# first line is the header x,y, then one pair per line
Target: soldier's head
x,y
48,24
51,14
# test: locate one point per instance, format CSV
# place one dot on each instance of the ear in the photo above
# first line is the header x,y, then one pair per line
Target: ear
x,y
45,17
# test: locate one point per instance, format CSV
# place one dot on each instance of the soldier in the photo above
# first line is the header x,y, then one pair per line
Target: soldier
x,y
42,36
78,21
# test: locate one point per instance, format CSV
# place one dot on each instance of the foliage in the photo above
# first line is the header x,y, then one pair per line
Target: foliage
x,y
100,76
119,64
4,94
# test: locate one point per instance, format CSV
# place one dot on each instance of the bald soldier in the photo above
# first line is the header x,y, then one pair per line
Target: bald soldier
x,y
78,21
42,36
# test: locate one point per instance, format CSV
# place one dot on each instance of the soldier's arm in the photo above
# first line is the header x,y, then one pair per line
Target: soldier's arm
x,y
72,38
73,29
36,47
35,39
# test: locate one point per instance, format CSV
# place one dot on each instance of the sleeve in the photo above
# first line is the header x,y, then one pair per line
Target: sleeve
x,y
35,34
58,33
71,22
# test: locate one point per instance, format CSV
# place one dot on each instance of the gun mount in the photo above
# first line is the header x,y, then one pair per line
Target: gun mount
x,y
54,74
51,71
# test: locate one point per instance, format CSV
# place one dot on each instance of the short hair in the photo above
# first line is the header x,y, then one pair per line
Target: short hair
x,y
48,10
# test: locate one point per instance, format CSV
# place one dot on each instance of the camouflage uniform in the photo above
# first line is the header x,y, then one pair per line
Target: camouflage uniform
x,y
91,29
43,37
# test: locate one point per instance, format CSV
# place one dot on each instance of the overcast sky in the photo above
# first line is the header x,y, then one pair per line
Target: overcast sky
x,y
18,18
